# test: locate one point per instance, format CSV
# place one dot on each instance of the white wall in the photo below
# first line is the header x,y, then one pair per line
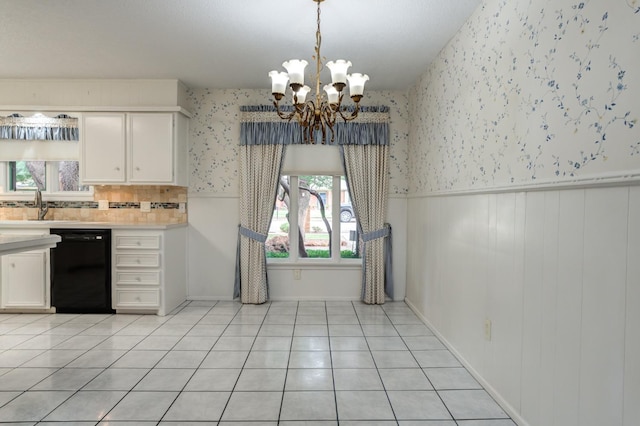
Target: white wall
x,y
524,198
557,274
213,201
92,93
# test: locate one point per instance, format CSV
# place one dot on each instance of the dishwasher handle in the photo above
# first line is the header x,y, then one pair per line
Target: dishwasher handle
x,y
81,237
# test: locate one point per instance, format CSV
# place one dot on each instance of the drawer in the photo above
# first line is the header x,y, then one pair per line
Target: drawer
x,y
137,278
137,298
137,260
137,242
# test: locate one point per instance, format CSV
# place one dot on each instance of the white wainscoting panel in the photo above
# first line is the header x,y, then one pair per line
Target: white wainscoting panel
x,y
213,229
632,330
213,232
603,292
557,273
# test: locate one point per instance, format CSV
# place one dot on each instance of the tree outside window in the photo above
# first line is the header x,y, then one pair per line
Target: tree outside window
x,y
32,175
314,201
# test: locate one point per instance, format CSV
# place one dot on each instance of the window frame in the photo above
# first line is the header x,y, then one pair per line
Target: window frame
x,y
335,260
49,194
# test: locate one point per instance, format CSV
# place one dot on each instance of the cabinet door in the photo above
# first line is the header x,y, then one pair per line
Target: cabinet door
x,y
103,148
151,148
24,280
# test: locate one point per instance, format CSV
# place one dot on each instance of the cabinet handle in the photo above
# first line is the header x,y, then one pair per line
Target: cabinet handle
x,y
137,260
117,169
138,169
138,279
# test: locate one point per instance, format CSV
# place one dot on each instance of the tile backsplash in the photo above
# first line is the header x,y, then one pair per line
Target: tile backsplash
x,y
124,206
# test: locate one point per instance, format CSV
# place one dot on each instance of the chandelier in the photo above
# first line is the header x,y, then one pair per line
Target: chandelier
x,y
319,114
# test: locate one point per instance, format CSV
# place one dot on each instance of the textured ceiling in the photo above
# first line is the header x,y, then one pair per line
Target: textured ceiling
x,y
222,43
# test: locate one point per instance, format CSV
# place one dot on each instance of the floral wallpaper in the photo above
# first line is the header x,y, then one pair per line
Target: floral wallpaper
x,y
530,91
215,135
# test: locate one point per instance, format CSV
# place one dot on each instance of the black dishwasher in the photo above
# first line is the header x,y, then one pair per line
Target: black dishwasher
x,y
81,271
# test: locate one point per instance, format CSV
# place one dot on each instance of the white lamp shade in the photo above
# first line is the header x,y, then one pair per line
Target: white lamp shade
x,y
356,83
302,94
295,68
339,70
332,94
278,81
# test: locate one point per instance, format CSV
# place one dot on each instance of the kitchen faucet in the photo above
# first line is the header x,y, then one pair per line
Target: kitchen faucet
x,y
42,209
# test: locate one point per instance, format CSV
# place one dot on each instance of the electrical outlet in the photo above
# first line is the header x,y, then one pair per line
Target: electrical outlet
x,y
182,207
103,204
145,206
487,329
297,274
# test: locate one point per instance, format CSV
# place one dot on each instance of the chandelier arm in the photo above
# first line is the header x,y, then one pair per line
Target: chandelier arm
x,y
329,120
351,116
281,114
309,107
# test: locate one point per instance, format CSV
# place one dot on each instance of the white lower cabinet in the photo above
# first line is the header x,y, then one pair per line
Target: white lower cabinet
x,y
149,270
25,279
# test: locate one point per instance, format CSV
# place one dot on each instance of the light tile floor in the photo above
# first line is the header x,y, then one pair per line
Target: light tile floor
x,y
223,363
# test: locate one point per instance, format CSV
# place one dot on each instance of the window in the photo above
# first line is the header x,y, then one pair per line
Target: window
x,y
306,215
23,177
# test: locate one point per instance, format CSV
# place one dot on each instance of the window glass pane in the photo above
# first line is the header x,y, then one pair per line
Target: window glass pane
x,y
314,215
278,238
68,176
349,238
27,175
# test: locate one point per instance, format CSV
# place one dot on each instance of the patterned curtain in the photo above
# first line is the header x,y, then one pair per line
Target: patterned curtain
x,y
39,127
259,174
367,171
364,145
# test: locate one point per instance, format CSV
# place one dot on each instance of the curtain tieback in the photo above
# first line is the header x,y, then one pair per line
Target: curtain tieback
x,y
249,233
379,233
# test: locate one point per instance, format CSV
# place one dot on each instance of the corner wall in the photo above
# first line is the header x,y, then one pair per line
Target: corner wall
x,y
524,206
213,202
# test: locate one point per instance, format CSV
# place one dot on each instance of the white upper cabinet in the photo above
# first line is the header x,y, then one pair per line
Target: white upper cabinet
x,y
134,148
102,158
150,148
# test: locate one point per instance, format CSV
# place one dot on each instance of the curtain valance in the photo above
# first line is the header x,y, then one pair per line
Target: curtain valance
x,y
39,127
260,125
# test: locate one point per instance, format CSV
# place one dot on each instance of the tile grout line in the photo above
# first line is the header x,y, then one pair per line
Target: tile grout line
x,y
286,374
194,370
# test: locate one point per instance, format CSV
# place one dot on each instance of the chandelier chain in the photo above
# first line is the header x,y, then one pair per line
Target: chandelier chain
x,y
318,59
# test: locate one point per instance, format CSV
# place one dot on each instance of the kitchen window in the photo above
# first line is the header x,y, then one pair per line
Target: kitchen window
x,y
309,223
58,180
40,151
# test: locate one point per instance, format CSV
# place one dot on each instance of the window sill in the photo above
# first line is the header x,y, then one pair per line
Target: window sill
x,y
47,196
314,264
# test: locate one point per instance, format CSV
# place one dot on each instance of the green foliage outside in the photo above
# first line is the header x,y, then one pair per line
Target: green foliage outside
x,y
317,182
24,179
315,254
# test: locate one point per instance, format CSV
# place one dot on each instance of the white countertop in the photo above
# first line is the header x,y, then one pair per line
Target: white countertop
x,y
19,243
76,224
